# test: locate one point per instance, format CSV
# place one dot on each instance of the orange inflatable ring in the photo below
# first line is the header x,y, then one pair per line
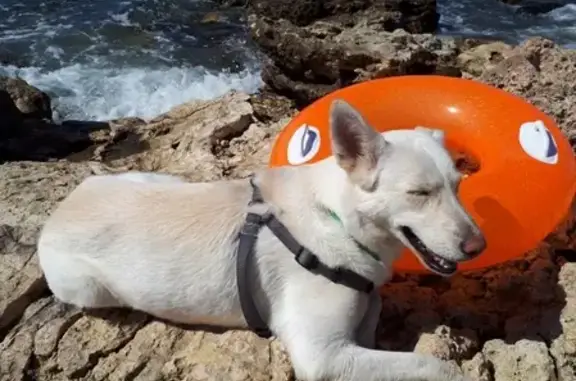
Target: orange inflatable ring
x,y
526,179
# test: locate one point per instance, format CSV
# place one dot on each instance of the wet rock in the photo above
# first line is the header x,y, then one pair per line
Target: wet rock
x,y
26,128
32,102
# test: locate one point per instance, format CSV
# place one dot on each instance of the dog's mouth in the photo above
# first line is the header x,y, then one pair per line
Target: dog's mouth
x,y
433,261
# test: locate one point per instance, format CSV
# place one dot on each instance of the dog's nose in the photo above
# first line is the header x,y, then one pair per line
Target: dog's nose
x,y
474,245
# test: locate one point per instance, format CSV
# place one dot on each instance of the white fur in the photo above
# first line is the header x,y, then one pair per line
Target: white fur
x,y
167,247
147,177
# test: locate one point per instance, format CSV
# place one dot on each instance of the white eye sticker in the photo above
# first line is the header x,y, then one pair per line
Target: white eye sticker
x,y
303,145
538,142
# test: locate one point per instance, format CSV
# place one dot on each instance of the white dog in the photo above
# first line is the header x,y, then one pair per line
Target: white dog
x,y
170,248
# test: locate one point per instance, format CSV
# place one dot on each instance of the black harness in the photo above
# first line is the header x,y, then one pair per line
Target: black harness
x,y
247,239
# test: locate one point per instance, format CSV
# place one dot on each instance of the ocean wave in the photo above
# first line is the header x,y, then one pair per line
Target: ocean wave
x,y
83,92
497,20
565,13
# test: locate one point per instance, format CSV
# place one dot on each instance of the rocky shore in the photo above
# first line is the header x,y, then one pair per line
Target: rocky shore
x,y
514,322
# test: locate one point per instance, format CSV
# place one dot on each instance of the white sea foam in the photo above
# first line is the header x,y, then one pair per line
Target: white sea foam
x,y
88,93
565,13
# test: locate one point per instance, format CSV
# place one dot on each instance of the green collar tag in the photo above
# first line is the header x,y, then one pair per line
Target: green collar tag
x,y
335,217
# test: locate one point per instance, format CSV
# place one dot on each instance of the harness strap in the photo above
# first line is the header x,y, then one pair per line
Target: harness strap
x,y
246,241
310,261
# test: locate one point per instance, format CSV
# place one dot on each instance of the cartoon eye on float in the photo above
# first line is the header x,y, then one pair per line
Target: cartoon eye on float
x,y
537,141
303,145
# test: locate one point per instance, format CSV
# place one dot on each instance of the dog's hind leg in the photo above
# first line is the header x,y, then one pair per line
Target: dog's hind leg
x,y
72,282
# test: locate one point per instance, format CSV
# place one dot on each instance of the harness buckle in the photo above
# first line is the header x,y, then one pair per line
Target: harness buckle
x,y
307,259
252,224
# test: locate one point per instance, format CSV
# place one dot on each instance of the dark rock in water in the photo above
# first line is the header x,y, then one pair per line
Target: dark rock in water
x,y
19,102
26,128
415,16
32,102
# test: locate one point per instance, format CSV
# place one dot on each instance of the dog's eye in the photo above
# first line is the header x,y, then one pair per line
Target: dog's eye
x,y
420,192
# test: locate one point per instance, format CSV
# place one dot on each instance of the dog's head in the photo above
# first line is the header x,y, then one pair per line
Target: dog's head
x,y
404,182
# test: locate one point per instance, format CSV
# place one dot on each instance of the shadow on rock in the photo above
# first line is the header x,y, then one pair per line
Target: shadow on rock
x,y
39,140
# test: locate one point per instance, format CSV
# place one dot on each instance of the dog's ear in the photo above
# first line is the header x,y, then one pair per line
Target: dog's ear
x,y
356,146
434,132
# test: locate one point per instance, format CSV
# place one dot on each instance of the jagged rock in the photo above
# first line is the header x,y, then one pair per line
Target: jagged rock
x,y
184,140
448,343
269,106
27,131
414,16
478,368
307,63
482,57
523,360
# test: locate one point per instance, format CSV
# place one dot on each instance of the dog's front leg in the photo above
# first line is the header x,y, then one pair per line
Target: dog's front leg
x,y
318,326
366,332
